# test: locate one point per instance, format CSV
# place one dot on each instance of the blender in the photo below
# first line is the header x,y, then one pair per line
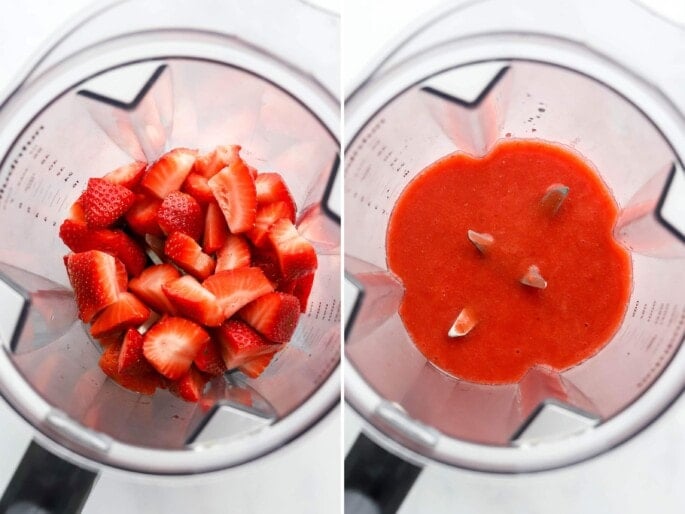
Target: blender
x,y
472,74
115,87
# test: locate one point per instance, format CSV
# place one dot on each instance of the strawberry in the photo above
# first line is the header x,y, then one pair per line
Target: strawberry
x,y
216,230
104,203
267,215
187,254
169,172
127,311
271,188
196,186
142,216
273,315
143,382
180,212
211,163
76,235
193,301
127,175
299,288
234,190
148,287
171,344
235,253
235,288
266,260
239,343
255,367
190,386
76,212
295,255
209,359
131,359
93,275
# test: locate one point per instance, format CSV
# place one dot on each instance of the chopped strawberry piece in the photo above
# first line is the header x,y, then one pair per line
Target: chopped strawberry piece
x,y
76,235
235,253
211,163
273,315
216,230
255,367
124,313
299,288
187,254
104,203
93,275
76,212
180,212
169,172
143,382
194,301
190,386
142,216
148,287
239,343
196,186
131,359
266,260
122,275
271,188
235,288
267,215
295,255
127,175
171,345
234,191
209,359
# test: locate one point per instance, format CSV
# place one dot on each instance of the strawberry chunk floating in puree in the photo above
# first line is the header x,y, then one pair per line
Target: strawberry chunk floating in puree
x,y
508,261
187,268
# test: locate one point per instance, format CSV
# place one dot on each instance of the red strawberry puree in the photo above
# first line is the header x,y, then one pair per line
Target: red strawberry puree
x,y
588,273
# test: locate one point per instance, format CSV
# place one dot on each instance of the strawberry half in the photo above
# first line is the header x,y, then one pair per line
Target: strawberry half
x,y
271,188
95,280
148,287
209,359
169,172
180,212
196,186
216,230
131,358
235,253
128,175
142,216
211,163
235,288
239,343
194,301
190,386
273,315
267,215
234,190
255,367
127,311
143,382
104,203
171,344
187,255
295,255
299,288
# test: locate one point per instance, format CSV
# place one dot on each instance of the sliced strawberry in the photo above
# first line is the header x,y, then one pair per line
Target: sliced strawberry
x,y
235,253
187,254
194,301
239,343
211,163
273,315
216,230
127,175
171,344
93,275
235,288
169,172
122,275
209,359
126,312
266,260
267,215
299,288
190,386
234,190
148,287
144,382
104,203
76,212
271,188
131,358
295,255
196,186
255,367
76,235
142,216
180,212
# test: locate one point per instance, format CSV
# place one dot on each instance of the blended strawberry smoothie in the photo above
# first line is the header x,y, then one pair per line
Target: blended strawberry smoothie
x,y
509,261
